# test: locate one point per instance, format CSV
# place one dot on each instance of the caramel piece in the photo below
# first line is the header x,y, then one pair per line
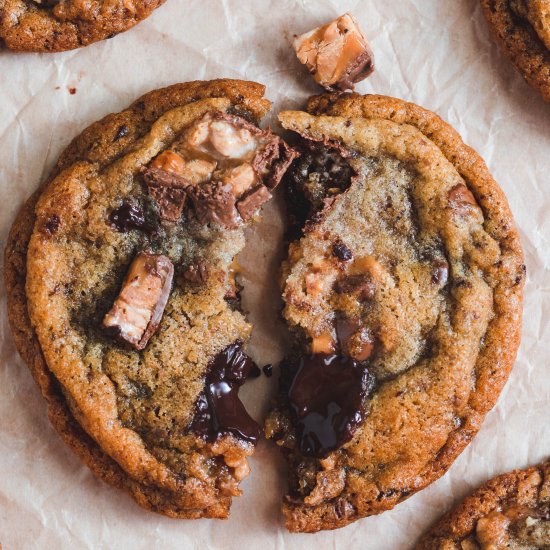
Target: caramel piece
x,y
337,54
323,343
492,531
169,162
241,178
136,313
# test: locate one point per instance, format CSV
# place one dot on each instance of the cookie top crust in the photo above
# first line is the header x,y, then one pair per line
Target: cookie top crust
x,y
60,25
522,30
509,511
410,264
172,471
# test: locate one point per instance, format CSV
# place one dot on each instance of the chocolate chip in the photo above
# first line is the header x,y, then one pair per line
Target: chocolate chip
x,y
268,370
440,272
341,251
129,216
255,372
326,399
218,409
52,224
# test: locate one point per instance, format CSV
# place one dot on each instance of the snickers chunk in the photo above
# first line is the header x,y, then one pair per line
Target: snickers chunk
x,y
337,54
222,140
137,312
224,164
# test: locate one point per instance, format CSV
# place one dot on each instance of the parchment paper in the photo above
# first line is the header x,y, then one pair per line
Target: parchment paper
x,y
437,54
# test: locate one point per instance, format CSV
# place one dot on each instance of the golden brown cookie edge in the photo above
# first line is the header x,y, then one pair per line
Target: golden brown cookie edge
x,y
461,520
520,43
56,36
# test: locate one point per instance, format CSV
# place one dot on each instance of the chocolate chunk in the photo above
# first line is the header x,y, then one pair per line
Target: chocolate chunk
x,y
255,372
51,225
137,312
341,251
250,203
268,370
360,285
129,216
168,190
218,409
214,202
440,272
326,400
337,54
461,199
274,160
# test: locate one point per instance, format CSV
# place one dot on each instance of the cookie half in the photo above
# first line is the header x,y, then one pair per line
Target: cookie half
x,y
122,298
522,30
60,25
509,511
403,290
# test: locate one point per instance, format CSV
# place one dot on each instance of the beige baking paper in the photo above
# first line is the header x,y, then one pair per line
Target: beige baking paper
x,y
433,52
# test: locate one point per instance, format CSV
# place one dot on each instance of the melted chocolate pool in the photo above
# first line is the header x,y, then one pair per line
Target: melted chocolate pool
x,y
219,409
326,399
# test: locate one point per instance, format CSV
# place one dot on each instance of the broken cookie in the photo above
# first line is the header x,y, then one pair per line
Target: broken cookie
x,y
144,255
402,290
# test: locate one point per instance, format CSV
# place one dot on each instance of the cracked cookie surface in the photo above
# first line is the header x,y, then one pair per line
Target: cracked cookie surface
x,y
60,25
522,30
509,511
410,265
129,413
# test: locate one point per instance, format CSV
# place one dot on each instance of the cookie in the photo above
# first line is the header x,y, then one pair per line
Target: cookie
x,y
127,313
522,30
60,25
509,511
403,291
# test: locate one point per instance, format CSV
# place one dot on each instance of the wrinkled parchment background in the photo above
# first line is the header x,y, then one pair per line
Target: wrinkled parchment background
x,y
434,53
